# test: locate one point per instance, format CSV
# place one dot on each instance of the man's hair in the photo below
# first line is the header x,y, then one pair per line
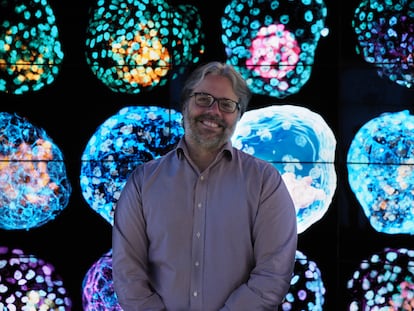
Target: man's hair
x,y
240,87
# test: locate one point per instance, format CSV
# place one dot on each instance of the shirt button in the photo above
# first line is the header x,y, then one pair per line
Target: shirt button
x,y
202,177
196,263
199,205
198,234
195,293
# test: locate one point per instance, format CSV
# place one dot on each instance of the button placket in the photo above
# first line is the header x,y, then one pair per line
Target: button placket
x,y
198,242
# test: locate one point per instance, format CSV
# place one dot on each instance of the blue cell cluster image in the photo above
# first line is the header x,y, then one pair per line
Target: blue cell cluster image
x,y
381,171
300,144
127,139
34,186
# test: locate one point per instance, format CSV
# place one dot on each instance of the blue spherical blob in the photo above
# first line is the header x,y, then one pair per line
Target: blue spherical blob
x,y
129,138
300,144
34,187
381,171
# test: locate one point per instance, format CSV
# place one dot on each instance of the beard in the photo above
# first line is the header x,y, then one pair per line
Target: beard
x,y
208,139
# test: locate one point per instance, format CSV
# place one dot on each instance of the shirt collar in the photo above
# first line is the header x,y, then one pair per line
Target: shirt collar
x,y
182,149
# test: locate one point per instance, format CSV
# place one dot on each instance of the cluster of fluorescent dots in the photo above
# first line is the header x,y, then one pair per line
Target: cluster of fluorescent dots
x,y
384,282
273,43
30,51
34,187
28,283
307,290
300,144
133,46
129,138
380,165
385,35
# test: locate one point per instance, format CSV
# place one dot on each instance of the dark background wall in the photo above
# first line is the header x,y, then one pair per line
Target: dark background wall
x,y
343,89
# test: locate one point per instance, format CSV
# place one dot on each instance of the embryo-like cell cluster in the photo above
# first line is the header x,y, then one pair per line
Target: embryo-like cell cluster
x,y
127,139
380,166
300,144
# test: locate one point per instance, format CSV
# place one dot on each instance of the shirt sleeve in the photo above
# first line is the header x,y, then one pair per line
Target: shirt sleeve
x,y
129,253
275,244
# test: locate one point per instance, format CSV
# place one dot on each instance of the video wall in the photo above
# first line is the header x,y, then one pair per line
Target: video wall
x,y
90,89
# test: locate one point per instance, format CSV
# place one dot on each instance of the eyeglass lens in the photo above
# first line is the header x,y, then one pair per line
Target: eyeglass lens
x,y
206,100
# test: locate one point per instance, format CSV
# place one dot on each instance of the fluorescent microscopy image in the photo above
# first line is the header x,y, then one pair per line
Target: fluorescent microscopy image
x,y
132,46
30,50
129,138
28,283
385,281
300,144
307,289
381,172
385,34
34,187
273,43
97,286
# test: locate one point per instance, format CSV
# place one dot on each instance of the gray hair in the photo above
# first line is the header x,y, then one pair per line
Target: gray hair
x,y
240,87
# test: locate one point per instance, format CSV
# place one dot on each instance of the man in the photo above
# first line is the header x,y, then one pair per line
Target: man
x,y
207,226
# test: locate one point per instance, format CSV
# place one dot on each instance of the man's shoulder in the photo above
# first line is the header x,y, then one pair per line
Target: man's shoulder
x,y
250,160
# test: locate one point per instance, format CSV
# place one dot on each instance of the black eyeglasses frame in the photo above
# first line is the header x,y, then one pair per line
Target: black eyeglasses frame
x,y
215,99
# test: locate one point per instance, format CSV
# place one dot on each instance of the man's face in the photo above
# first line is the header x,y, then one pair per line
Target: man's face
x,y
210,127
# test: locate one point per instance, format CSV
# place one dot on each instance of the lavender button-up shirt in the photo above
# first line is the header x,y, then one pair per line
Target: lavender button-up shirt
x,y
221,239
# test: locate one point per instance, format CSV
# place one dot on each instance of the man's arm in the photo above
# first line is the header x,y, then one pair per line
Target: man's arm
x,y
129,254
275,244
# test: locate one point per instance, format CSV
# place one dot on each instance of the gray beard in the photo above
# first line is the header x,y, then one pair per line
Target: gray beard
x,y
213,143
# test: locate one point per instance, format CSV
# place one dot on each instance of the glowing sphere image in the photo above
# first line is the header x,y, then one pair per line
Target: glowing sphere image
x,y
30,50
97,286
34,187
300,144
29,283
133,46
127,139
381,172
307,289
385,35
273,43
385,281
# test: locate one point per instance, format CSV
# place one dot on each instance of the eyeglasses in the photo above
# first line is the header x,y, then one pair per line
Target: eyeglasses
x,y
207,100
